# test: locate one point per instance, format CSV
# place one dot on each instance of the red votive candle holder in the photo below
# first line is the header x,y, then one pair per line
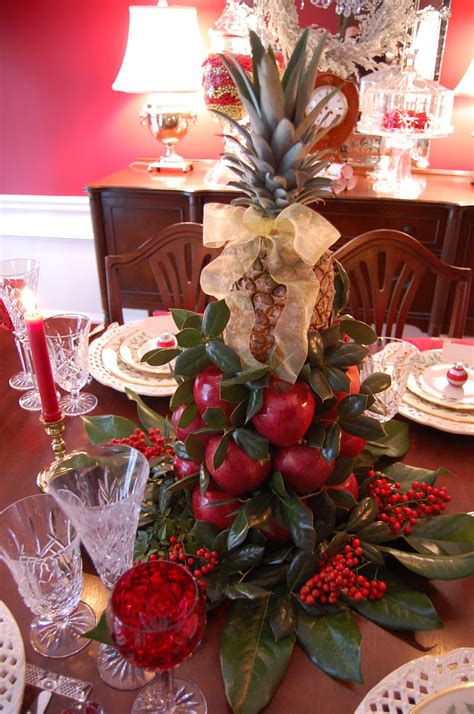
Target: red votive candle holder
x,y
44,375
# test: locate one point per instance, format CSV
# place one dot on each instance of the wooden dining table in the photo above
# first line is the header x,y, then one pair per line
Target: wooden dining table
x,y
25,449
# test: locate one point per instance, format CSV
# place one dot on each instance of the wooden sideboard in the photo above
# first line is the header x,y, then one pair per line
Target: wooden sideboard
x,y
131,205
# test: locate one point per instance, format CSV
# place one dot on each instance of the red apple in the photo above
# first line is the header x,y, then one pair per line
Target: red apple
x,y
276,534
353,374
238,473
206,391
303,467
351,445
183,432
287,412
350,484
183,468
204,510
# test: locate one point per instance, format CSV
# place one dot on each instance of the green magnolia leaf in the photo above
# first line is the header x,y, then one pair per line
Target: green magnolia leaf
x,y
220,452
148,417
324,511
302,567
195,447
342,499
238,416
215,417
376,532
258,510
216,316
320,385
189,413
372,553
436,567
254,445
245,591
252,663
300,522
184,483
458,528
338,379
238,530
401,607
101,429
343,468
332,442
204,477
315,435
315,348
351,406
332,642
336,544
234,394
358,331
363,514
377,382
183,394
342,287
205,533
160,356
278,485
222,356
249,556
101,632
194,321
189,337
180,451
249,375
254,404
331,337
268,576
406,475
282,617
192,361
363,426
180,316
345,355
396,442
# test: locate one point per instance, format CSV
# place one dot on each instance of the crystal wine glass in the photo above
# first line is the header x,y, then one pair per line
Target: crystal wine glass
x,y
396,358
41,548
68,342
16,274
101,490
157,619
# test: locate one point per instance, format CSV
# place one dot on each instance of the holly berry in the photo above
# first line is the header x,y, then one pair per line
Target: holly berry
x,y
287,412
303,467
238,473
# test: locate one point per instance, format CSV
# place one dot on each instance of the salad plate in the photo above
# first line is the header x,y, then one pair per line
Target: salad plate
x,y
143,339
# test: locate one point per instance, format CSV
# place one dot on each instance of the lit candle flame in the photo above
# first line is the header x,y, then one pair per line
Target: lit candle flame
x,y
28,299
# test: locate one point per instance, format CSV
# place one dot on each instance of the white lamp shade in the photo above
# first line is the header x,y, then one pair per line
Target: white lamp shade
x,y
466,85
164,51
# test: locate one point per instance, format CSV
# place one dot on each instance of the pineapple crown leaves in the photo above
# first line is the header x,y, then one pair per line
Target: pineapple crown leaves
x,y
272,163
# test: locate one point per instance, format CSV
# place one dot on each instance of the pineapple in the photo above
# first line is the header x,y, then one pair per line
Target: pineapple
x,y
275,168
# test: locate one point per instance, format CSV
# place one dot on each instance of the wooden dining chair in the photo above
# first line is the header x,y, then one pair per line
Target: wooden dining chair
x,y
385,269
176,256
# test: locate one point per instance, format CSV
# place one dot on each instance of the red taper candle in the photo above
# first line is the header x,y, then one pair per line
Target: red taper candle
x,y
39,353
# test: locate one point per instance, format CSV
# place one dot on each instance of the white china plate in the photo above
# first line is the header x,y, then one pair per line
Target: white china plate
x,y
416,409
108,368
458,700
417,680
142,340
428,380
12,663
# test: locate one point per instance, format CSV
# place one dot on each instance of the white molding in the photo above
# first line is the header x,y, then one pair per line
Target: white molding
x,y
62,217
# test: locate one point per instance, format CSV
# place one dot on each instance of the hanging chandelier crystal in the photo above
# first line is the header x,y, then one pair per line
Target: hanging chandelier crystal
x,y
345,7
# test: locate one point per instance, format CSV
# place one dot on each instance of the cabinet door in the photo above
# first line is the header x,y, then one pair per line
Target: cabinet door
x,y
465,257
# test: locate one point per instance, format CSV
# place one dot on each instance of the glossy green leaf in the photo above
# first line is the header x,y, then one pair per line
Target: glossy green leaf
x,y
254,445
342,499
220,452
215,417
189,337
248,556
238,530
258,510
245,591
377,382
216,316
282,617
364,426
315,435
351,406
252,663
204,478
249,375
358,331
223,357
192,361
330,336
160,356
439,567
254,404
189,413
148,417
205,533
237,417
456,528
184,484
234,394
278,485
332,442
332,642
338,379
101,632
302,567
343,468
396,442
101,429
300,522
376,532
315,348
320,385
342,287
345,355
406,474
338,541
362,515
324,510
180,316
194,447
183,394
193,321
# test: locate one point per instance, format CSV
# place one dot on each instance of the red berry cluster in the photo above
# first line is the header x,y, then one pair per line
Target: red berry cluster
x,y
401,511
137,440
406,120
208,560
337,575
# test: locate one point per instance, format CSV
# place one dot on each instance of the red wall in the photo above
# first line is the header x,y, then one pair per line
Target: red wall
x,y
62,124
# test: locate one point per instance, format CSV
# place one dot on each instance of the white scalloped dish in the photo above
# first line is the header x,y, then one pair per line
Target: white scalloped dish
x,y
12,663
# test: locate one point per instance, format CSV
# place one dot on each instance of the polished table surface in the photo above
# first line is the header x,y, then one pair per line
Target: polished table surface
x,y
24,450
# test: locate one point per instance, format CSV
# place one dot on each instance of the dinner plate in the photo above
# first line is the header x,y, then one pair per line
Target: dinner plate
x,y
142,340
414,408
418,680
428,381
12,663
457,700
107,367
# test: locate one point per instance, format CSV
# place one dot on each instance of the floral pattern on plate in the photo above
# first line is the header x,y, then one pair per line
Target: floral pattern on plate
x,y
415,408
132,346
428,381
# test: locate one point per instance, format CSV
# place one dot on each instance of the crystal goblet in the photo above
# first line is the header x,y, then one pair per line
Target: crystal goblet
x,y
68,343
41,548
15,275
396,358
157,619
101,490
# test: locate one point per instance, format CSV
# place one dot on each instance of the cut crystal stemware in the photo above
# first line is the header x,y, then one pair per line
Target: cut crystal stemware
x,y
101,490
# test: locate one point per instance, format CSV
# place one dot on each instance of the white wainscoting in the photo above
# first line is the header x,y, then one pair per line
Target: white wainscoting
x,y
56,231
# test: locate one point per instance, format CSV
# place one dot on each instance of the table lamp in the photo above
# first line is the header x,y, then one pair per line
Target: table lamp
x,y
163,58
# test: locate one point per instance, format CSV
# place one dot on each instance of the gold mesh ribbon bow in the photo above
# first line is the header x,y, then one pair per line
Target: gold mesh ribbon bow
x,y
296,239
